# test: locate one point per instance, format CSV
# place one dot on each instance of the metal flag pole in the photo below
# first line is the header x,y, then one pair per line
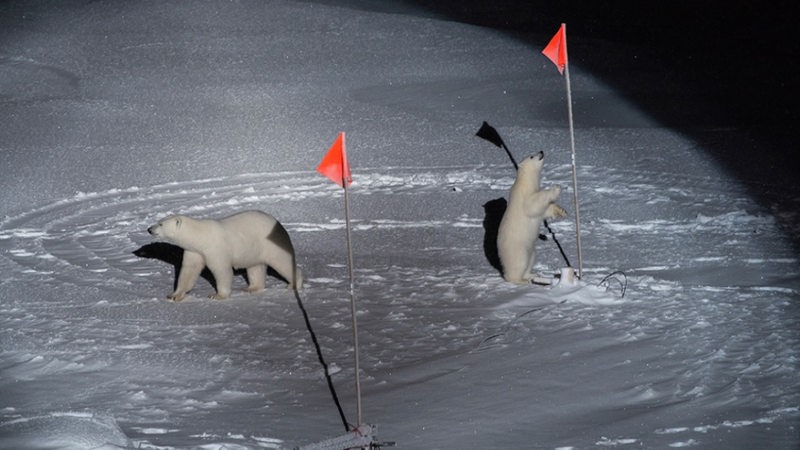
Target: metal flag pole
x,y
574,169
352,291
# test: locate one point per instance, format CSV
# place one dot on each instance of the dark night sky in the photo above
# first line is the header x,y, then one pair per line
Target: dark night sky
x,y
742,55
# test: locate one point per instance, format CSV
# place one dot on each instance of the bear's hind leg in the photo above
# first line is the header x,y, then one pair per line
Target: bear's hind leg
x,y
297,283
290,272
529,274
514,271
191,266
256,278
517,280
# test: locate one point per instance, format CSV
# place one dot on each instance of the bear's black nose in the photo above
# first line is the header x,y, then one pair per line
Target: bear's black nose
x,y
150,229
541,155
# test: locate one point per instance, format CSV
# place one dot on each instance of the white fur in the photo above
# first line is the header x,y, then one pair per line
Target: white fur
x,y
251,240
528,206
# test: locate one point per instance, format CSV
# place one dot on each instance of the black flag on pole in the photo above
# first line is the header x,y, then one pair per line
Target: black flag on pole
x,y
488,133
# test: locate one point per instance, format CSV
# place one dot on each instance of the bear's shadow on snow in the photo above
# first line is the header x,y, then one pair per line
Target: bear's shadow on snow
x,y
173,255
493,211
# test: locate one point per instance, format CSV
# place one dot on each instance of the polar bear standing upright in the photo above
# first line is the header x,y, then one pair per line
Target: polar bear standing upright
x,y
528,206
251,240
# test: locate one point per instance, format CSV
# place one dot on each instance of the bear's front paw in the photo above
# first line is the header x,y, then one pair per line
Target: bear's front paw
x,y
176,296
554,211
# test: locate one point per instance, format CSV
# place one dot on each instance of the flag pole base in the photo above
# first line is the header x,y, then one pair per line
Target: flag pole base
x,y
566,277
359,438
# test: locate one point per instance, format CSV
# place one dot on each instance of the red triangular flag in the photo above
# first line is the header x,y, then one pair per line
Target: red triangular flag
x,y
334,164
556,50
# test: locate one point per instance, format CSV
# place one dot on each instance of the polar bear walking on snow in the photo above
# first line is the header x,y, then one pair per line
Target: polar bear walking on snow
x,y
528,206
251,240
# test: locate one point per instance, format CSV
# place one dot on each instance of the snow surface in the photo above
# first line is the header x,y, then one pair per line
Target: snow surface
x,y
116,114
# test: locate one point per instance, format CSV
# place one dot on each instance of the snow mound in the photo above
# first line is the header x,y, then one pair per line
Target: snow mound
x,y
63,431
